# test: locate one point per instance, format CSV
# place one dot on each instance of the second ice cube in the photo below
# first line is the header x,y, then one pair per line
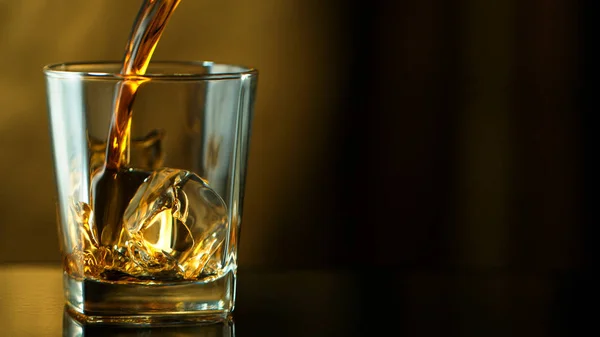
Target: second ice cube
x,y
175,220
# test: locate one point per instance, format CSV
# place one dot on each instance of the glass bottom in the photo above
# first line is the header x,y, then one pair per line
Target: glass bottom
x,y
91,301
74,328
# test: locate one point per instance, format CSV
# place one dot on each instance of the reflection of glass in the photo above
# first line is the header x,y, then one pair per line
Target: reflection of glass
x,y
73,328
156,238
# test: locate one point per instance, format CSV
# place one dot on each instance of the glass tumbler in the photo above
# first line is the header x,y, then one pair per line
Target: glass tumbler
x,y
154,239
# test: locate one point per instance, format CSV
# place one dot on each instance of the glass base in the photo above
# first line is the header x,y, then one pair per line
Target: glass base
x,y
91,301
72,327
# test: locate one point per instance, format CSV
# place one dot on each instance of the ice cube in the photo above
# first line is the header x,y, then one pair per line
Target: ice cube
x,y
82,239
88,258
175,221
81,225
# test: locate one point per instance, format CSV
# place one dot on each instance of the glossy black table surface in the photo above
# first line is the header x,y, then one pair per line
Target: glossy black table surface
x,y
337,303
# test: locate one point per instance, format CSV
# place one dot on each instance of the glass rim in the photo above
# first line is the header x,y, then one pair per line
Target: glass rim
x,y
53,70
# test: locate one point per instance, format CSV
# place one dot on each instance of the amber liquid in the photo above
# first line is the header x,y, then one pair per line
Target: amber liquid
x,y
145,226
113,185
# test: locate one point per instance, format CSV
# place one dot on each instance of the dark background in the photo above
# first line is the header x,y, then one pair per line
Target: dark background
x,y
446,140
